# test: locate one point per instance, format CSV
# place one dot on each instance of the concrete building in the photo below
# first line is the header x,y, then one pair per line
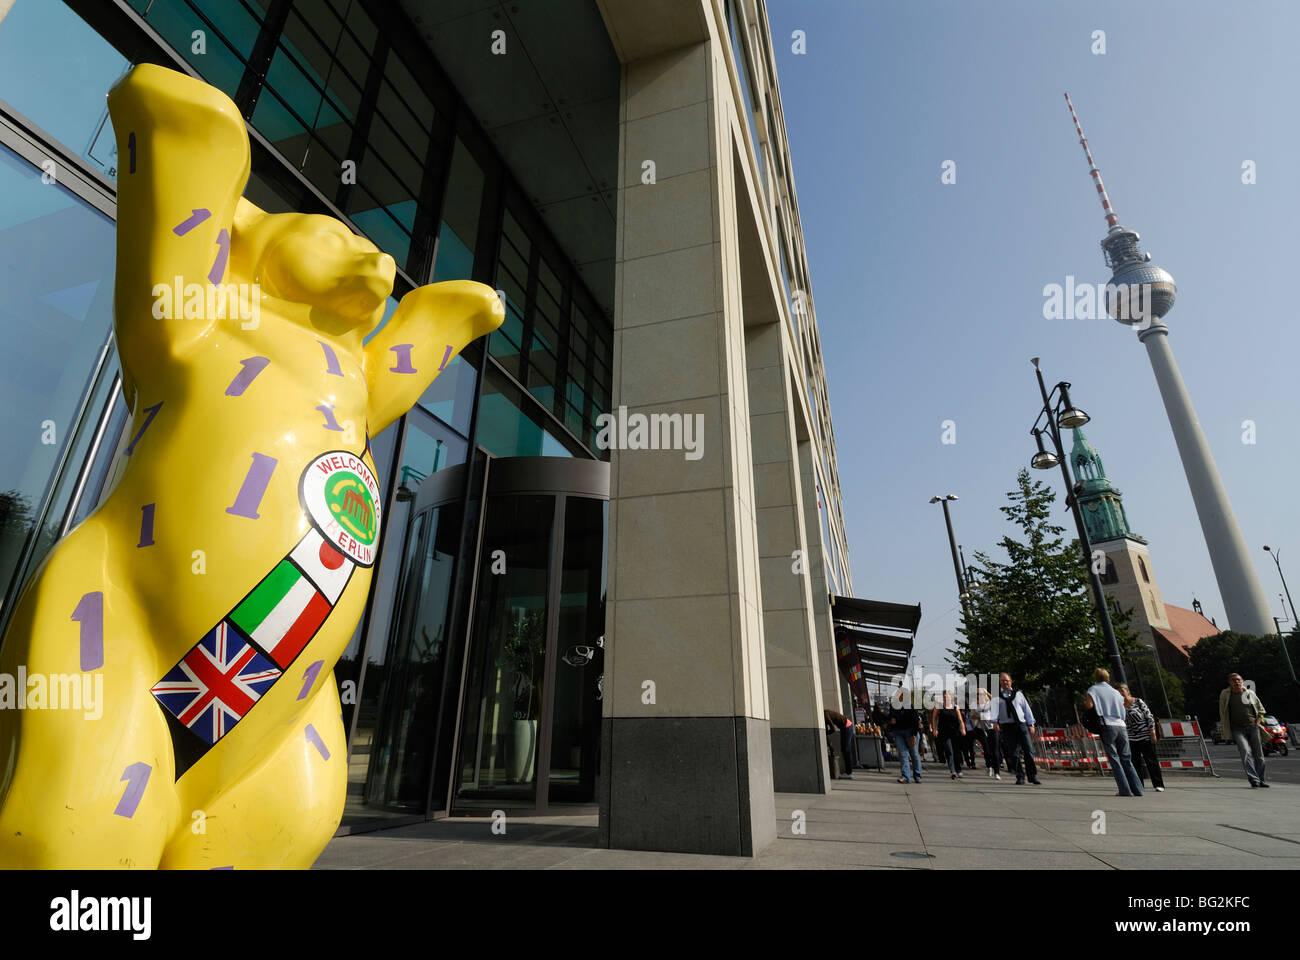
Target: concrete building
x,y
644,448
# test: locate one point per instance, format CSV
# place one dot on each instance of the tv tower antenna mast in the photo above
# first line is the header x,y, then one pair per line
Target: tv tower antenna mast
x,y
1140,294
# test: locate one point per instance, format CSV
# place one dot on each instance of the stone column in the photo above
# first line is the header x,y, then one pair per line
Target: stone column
x,y
828,663
793,677
686,759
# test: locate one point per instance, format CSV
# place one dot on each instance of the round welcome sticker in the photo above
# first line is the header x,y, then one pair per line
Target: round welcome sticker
x,y
341,497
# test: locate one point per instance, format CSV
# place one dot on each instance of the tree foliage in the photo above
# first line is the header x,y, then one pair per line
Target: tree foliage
x,y
1033,615
1260,659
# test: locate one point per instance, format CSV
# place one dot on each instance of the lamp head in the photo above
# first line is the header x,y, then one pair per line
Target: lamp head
x,y
1071,416
1043,459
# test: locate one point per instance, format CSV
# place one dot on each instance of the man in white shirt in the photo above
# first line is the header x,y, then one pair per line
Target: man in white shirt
x,y
1109,704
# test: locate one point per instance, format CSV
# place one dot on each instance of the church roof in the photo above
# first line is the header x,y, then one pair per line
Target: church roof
x,y
1186,628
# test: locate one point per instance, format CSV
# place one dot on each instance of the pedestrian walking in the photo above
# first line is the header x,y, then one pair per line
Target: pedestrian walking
x,y
1142,735
979,729
1015,722
1240,713
1109,704
837,721
904,728
950,732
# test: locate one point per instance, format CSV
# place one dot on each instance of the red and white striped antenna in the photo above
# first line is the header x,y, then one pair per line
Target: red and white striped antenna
x,y
1112,220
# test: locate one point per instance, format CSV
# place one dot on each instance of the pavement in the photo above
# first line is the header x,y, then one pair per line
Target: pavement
x,y
1071,822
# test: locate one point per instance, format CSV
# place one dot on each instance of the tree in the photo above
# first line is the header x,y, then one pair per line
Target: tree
x,y
1033,615
1258,659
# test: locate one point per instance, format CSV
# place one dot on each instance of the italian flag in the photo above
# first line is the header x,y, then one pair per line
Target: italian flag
x,y
282,613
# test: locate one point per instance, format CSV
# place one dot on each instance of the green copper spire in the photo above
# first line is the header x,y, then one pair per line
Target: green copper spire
x,y
1101,502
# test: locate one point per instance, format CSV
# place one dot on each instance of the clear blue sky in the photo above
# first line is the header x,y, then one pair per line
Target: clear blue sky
x,y
929,296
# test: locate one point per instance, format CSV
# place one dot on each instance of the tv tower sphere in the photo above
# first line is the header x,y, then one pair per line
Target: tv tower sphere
x,y
1133,275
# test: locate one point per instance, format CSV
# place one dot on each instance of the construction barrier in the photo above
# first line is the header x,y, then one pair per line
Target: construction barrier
x,y
1181,747
1057,751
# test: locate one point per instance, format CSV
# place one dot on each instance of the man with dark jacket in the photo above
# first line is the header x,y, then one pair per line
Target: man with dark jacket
x,y
837,721
1015,722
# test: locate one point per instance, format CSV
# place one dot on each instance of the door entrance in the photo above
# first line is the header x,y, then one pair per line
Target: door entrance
x,y
506,714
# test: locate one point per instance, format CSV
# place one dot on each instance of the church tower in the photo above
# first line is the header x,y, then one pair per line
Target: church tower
x,y
1128,580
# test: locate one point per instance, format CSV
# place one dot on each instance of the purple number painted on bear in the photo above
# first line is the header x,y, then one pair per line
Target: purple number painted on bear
x,y
146,525
309,677
445,357
403,351
90,614
137,777
153,412
331,359
252,367
330,422
256,481
197,216
314,738
219,265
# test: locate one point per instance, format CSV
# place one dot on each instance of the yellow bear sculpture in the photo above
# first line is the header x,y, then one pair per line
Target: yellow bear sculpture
x,y
219,583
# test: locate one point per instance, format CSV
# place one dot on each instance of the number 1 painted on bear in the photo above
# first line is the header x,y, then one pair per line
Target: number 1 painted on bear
x,y
445,357
146,525
153,412
256,481
90,614
403,351
137,777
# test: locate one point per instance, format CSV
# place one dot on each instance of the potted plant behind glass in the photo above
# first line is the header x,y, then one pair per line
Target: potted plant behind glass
x,y
524,645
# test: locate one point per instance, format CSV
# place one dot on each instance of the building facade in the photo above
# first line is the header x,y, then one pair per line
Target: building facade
x,y
614,527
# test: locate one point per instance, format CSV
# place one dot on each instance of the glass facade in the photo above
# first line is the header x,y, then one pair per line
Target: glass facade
x,y
352,118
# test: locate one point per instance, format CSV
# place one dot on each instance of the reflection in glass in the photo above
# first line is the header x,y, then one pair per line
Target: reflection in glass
x,y
503,698
56,70
511,426
56,269
580,660
414,667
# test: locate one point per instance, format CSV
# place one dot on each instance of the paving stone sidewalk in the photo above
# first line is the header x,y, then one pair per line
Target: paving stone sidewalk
x,y
872,821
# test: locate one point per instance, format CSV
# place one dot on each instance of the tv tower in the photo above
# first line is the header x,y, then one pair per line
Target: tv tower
x,y
1140,293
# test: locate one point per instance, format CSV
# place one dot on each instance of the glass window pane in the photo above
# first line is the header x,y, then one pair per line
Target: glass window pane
x,y
56,268
460,212
56,70
405,86
509,426
411,131
503,701
451,395
216,62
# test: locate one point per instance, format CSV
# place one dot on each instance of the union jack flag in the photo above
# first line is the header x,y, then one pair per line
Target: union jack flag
x,y
216,683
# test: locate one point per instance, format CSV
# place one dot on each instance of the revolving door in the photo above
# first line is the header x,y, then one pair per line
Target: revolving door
x,y
511,720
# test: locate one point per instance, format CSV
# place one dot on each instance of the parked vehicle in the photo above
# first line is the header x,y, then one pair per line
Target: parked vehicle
x,y
1273,733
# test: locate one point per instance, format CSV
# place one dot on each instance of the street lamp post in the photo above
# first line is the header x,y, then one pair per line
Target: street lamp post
x,y
952,544
1065,414
1277,560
